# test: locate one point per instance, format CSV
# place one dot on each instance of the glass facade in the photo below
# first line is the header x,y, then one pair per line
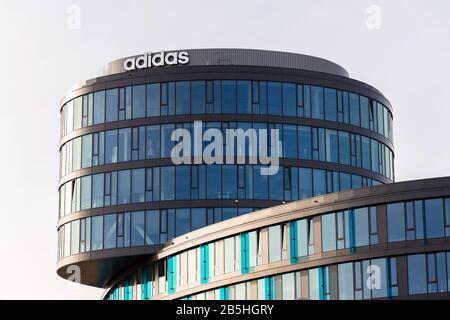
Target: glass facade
x,y
292,242
226,96
154,141
186,182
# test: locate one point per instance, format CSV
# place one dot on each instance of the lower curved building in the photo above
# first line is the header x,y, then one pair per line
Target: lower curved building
x,y
383,242
242,174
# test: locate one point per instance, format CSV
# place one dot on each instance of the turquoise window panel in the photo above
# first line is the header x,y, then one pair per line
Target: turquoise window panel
x,y
268,288
171,274
245,253
204,268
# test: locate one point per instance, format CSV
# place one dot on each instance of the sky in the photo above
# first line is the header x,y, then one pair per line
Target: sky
x,y
400,47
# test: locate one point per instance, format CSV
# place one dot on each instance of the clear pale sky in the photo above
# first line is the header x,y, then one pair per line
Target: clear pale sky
x,y
41,58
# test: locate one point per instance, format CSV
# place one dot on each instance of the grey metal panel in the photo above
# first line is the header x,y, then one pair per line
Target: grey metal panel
x,y
247,57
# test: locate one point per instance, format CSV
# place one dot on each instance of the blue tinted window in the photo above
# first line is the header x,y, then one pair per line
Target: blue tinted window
x,y
167,183
304,142
99,107
305,176
332,152
361,227
85,193
97,190
274,98
328,232
124,144
396,222
166,142
345,280
417,277
365,142
289,99
198,218
354,109
375,155
111,146
261,184
276,186
153,142
320,182
244,98
345,182
137,228
364,106
183,181
86,152
112,104
138,186
97,233
182,222
228,96
434,218
317,103
152,227
290,141
344,147
139,101
153,99
183,97
110,231
330,104
198,97
229,182
124,186
214,181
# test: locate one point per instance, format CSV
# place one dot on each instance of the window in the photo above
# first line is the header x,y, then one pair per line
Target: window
x,y
396,222
274,98
124,186
198,97
345,281
228,96
182,97
152,227
182,223
97,190
344,147
290,141
244,101
112,104
289,99
97,233
153,99
317,103
364,107
361,227
86,151
330,104
124,149
304,142
110,231
85,193
111,146
274,243
305,177
229,182
328,232
138,101
229,252
153,142
99,107
354,109
434,218
417,282
332,151
198,218
167,183
137,228
320,182
138,185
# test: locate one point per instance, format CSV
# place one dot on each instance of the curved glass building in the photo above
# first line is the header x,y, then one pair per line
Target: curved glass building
x,y
145,225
